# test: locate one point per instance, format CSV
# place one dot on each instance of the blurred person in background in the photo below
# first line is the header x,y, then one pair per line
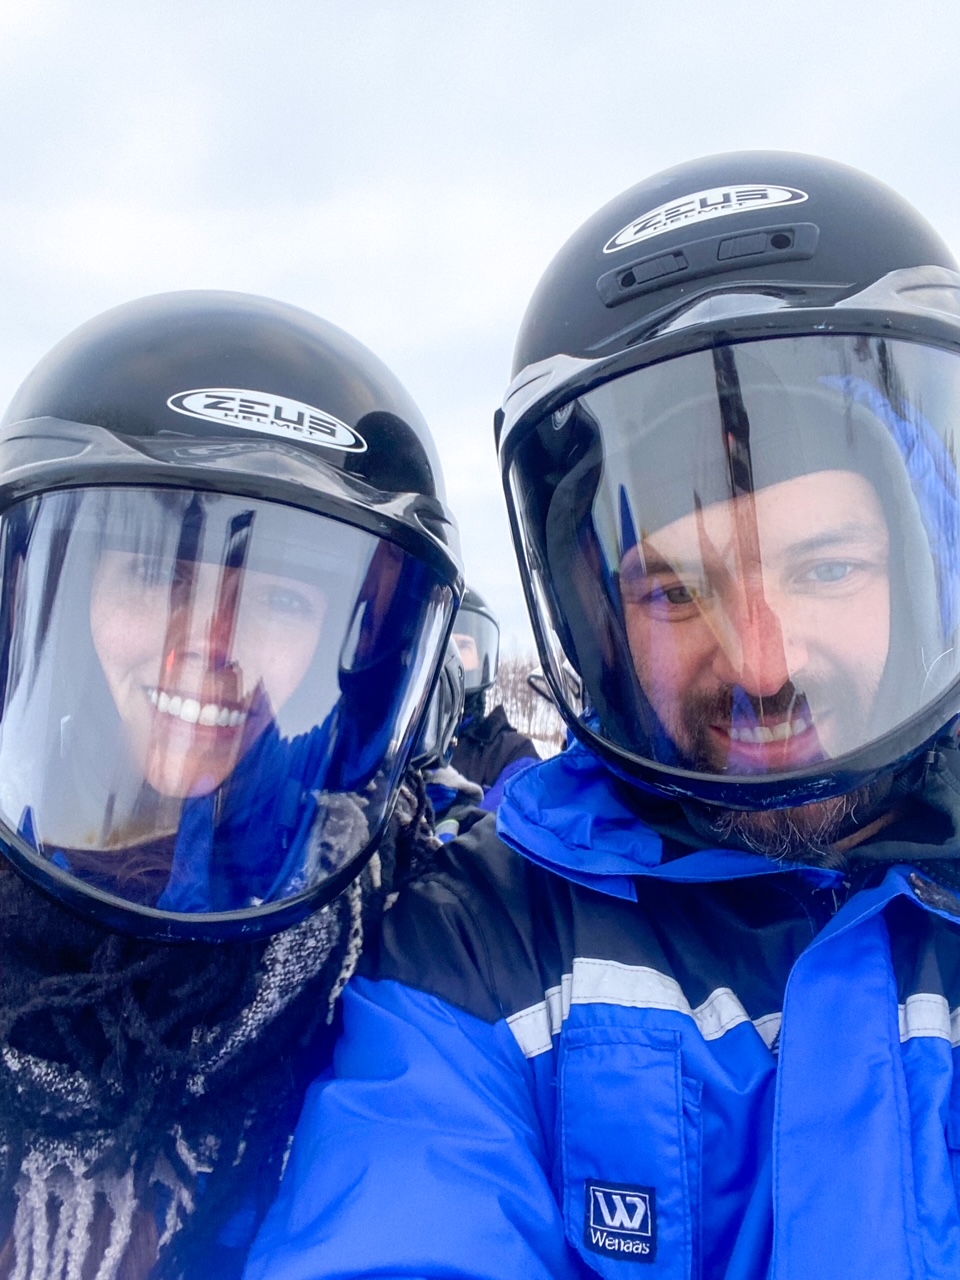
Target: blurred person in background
x,y
454,800
227,576
489,750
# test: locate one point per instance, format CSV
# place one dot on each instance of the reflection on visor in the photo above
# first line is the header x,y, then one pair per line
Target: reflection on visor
x,y
757,551
180,726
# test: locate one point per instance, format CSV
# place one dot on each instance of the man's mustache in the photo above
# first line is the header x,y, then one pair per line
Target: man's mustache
x,y
733,705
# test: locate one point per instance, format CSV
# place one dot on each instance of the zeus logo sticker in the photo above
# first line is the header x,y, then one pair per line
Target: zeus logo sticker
x,y
621,1221
701,206
275,415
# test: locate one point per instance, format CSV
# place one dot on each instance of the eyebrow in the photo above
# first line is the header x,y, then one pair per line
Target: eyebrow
x,y
854,531
851,533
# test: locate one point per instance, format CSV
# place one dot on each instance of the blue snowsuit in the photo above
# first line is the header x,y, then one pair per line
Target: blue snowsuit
x,y
621,1054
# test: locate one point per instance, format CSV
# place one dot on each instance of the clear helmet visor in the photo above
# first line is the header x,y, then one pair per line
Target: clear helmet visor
x,y
752,551
205,700
478,639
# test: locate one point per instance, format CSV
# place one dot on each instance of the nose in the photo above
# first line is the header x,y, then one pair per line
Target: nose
x,y
203,616
760,648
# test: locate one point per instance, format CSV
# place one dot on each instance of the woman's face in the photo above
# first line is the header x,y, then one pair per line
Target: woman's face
x,y
199,664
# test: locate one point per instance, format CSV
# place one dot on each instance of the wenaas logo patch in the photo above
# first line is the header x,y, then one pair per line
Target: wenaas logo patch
x,y
275,415
621,1221
702,206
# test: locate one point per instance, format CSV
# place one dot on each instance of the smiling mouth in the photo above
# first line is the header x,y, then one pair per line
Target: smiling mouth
x,y
760,734
192,711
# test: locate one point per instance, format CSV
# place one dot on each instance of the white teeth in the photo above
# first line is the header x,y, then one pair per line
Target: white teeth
x,y
762,733
190,711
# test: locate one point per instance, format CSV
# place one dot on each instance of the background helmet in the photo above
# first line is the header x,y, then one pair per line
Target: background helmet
x,y
713,349
438,736
477,634
228,580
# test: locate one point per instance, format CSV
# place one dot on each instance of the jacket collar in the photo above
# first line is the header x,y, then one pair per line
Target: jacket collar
x,y
566,815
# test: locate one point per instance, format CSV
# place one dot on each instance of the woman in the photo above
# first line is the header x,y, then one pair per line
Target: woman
x,y
228,578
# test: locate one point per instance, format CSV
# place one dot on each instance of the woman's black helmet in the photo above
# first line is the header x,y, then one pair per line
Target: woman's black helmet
x,y
738,363
229,576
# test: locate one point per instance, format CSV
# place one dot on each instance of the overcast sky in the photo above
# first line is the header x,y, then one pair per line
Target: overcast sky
x,y
407,168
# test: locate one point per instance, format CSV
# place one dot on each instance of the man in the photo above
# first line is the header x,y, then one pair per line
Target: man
x,y
489,750
692,1009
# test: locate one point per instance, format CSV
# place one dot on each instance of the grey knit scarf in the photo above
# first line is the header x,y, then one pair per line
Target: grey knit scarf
x,y
129,1071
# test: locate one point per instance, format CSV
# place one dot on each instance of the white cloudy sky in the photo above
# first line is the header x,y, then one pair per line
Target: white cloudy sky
x,y
407,168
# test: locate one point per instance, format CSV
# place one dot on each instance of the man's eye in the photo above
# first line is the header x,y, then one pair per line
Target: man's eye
x,y
830,571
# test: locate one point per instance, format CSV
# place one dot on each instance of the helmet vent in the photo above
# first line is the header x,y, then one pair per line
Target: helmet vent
x,y
708,257
653,269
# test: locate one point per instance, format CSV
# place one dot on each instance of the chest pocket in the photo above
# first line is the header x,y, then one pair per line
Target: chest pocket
x,y
629,1146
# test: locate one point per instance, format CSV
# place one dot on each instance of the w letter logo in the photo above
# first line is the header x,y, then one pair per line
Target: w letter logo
x,y
620,1209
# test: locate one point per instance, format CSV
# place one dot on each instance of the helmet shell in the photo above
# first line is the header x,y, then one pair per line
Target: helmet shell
x,y
750,218
123,369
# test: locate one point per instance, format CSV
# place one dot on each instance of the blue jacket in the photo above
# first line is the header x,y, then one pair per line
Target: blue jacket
x,y
618,1055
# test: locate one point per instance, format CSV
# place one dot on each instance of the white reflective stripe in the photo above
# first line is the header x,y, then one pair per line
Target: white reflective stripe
x,y
535,1027
929,1015
769,1027
632,987
531,1030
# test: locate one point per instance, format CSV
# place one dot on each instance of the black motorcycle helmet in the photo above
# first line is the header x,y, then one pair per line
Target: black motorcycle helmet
x,y
477,634
734,412
229,576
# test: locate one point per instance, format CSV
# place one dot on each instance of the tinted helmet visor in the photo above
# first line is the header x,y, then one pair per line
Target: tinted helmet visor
x,y
206,700
477,637
750,555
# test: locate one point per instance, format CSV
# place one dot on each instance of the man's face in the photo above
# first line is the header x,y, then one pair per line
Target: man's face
x,y
468,650
191,662
760,626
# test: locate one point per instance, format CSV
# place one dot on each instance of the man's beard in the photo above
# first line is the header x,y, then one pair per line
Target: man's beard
x,y
808,833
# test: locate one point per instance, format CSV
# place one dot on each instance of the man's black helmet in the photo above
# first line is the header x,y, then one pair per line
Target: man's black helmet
x,y
477,634
728,452
228,580
726,222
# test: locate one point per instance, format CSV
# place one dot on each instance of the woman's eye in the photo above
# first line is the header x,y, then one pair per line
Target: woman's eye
x,y
678,594
146,571
659,594
287,602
